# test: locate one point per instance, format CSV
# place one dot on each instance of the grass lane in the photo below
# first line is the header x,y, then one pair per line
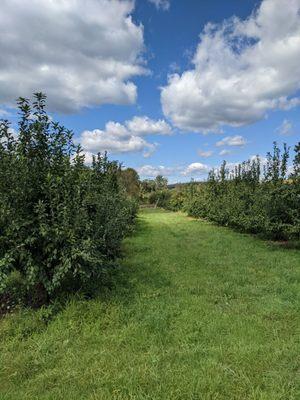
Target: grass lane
x,y
197,312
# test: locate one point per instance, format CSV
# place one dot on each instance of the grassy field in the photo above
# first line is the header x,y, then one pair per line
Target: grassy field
x,y
196,312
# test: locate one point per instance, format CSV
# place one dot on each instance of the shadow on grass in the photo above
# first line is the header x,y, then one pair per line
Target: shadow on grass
x,y
284,245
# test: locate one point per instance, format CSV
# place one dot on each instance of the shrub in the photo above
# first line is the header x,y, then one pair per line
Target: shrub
x,y
176,199
155,192
61,223
159,198
251,198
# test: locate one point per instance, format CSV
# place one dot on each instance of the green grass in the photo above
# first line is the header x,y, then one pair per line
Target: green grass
x,y
197,312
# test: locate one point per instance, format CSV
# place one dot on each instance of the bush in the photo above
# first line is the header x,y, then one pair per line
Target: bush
x,y
249,198
61,223
176,198
159,198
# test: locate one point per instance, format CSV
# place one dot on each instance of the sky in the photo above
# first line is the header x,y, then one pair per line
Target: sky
x,y
170,87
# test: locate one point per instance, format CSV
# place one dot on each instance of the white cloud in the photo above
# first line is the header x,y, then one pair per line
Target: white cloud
x,y
236,140
163,4
150,171
79,53
242,69
205,154
98,140
125,138
286,128
225,152
196,169
146,126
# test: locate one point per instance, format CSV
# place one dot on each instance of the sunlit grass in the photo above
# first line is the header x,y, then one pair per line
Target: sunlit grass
x,y
196,312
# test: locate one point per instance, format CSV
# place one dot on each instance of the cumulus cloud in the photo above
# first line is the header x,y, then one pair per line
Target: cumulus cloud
x,y
98,140
241,70
145,126
150,171
196,169
236,140
124,138
286,128
205,154
79,53
163,4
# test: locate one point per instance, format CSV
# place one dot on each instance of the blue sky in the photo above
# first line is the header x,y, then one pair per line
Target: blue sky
x,y
198,78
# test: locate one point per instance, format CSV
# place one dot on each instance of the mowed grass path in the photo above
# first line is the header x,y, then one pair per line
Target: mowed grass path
x,y
197,312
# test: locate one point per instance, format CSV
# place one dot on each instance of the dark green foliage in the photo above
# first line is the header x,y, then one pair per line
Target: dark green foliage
x,y
61,223
296,163
160,198
161,182
130,180
177,198
155,192
249,199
